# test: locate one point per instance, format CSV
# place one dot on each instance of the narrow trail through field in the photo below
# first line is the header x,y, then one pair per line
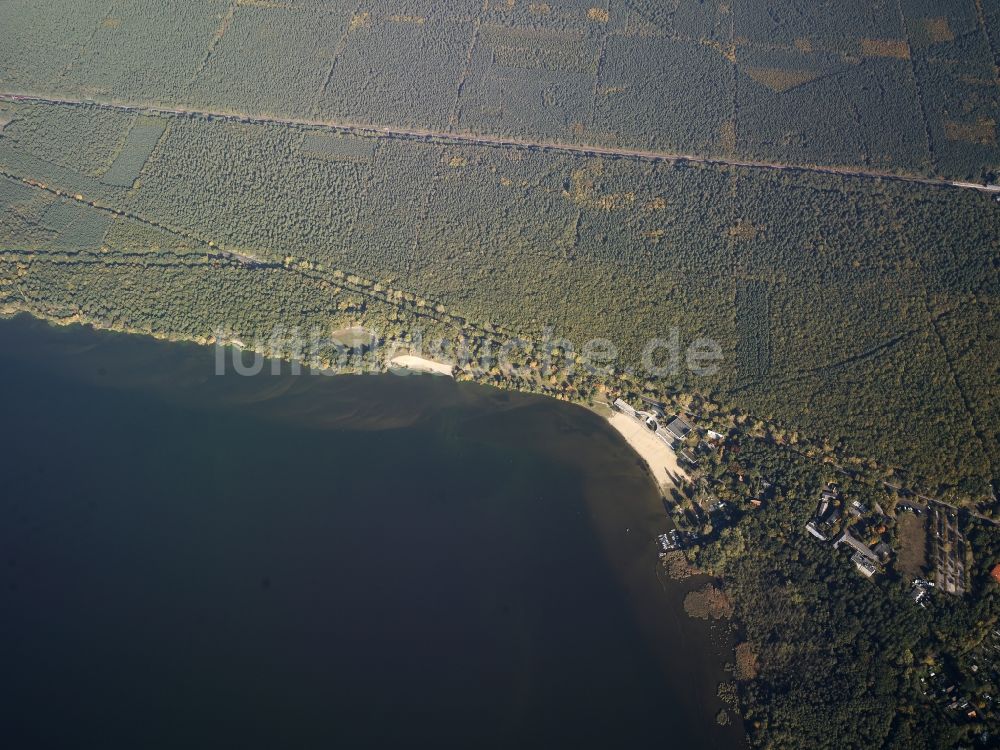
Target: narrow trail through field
x,y
476,139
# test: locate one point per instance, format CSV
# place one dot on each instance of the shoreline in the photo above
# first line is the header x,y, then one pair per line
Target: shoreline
x,y
617,510
659,459
809,448
420,364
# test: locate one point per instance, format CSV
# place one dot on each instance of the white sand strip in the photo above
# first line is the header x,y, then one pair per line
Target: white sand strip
x,y
421,364
661,460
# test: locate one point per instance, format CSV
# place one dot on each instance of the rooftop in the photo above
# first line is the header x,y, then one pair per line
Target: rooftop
x,y
864,565
678,428
859,546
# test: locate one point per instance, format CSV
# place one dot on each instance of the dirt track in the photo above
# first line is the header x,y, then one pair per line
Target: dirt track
x,y
500,141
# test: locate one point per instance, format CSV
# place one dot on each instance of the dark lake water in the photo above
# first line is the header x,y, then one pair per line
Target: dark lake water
x,y
189,560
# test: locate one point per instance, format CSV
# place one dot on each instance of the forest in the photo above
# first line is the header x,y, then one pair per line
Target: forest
x,y
902,87
856,314
841,661
852,310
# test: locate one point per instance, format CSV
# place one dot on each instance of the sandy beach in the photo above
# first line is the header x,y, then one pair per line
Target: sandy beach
x,y
421,364
661,460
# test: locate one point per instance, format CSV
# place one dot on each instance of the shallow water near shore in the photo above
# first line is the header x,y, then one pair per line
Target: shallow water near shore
x,y
292,561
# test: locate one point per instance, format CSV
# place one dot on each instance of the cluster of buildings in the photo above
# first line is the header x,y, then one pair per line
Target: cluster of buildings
x,y
955,696
672,432
969,688
827,514
984,662
868,558
939,686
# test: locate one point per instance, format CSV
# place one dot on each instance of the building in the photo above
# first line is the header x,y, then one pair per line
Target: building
x,y
861,553
624,408
678,428
996,572
655,407
824,506
858,509
826,515
864,565
813,529
688,459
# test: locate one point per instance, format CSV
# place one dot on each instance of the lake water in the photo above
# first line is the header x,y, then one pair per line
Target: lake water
x,y
189,560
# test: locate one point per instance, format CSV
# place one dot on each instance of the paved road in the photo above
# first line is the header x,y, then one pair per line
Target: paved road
x,y
501,142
